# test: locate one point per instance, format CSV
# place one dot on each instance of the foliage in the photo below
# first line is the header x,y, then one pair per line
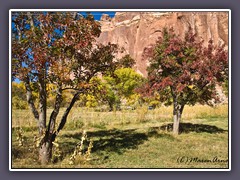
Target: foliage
x,y
186,69
113,89
18,89
183,71
126,62
18,103
19,100
154,103
91,101
225,87
126,81
134,100
57,52
20,137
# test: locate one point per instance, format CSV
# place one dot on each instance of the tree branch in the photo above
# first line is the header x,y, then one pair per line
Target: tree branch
x,y
76,89
54,113
65,115
30,99
19,33
30,17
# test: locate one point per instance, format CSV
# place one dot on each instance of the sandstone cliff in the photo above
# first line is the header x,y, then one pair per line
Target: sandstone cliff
x,y
136,30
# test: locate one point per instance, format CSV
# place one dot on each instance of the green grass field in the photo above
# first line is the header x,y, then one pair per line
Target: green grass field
x,y
138,138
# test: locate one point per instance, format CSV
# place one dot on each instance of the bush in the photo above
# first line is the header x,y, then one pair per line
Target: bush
x,y
18,103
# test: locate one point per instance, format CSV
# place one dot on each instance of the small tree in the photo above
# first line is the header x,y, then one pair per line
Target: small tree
x,y
184,71
56,48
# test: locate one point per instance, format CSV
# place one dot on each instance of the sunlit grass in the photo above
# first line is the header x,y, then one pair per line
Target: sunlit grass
x,y
88,117
131,138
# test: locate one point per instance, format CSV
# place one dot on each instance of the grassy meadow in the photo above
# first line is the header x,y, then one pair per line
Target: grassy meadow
x,y
138,138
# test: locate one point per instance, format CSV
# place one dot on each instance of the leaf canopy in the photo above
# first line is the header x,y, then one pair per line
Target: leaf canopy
x,y
185,69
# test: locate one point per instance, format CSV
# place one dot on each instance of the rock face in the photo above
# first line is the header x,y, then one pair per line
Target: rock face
x,y
136,30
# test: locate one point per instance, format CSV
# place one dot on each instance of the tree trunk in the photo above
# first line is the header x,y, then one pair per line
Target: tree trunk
x,y
45,152
176,122
42,105
177,114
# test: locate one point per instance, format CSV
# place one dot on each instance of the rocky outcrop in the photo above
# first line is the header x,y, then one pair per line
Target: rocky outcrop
x,y
136,30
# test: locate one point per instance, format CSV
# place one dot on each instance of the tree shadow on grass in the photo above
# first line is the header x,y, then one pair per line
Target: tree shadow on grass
x,y
198,128
112,140
118,141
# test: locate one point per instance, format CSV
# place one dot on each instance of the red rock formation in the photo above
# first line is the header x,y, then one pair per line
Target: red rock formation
x,y
136,30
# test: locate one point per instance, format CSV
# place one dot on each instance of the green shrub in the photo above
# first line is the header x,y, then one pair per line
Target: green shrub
x,y
18,103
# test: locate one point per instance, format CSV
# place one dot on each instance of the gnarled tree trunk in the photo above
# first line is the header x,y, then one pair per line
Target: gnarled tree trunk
x,y
46,144
45,152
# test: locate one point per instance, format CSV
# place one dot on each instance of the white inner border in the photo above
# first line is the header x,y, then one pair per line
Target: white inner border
x,y
123,10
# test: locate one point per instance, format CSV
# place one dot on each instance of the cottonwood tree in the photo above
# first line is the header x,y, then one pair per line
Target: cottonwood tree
x,y
57,48
117,84
126,81
184,71
120,86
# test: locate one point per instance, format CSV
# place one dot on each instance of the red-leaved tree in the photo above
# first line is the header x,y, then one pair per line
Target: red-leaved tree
x,y
56,48
184,71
